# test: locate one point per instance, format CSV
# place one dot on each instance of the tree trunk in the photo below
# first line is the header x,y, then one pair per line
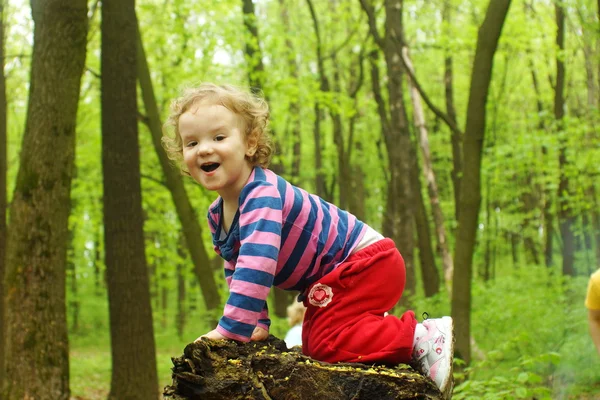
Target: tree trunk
x,y
481,75
529,227
3,197
429,272
457,137
192,230
294,109
324,87
400,200
226,370
390,221
357,200
565,213
256,71
592,138
320,184
37,363
99,281
546,194
432,189
487,255
74,304
181,317
132,340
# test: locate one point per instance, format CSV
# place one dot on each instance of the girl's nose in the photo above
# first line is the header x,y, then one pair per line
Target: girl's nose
x,y
204,149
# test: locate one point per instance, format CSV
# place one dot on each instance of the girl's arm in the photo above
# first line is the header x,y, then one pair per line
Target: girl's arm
x,y
260,224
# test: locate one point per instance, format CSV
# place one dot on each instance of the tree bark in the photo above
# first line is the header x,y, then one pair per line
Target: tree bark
x,y
324,87
181,317
565,213
3,197
457,136
470,201
256,71
226,370
37,363
432,189
74,304
400,197
429,272
398,221
545,193
132,340
294,108
192,230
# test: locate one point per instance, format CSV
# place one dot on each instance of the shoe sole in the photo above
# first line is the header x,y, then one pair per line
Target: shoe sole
x,y
446,387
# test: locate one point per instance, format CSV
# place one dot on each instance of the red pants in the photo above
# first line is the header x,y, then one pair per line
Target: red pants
x,y
344,319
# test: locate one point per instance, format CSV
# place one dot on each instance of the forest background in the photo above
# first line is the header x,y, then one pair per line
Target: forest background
x,y
467,130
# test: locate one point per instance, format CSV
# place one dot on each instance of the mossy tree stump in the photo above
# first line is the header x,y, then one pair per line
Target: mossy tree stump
x,y
228,370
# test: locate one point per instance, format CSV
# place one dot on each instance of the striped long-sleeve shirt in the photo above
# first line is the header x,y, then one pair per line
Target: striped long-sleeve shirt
x,y
281,235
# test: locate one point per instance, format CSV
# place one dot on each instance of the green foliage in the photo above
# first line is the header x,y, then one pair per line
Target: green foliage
x,y
531,339
528,324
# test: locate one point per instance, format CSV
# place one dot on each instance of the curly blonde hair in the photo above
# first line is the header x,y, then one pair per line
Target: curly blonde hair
x,y
252,108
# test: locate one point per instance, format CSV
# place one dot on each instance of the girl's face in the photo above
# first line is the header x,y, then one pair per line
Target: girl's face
x,y
215,149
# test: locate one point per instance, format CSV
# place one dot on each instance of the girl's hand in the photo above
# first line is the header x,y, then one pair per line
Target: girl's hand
x,y
259,334
214,335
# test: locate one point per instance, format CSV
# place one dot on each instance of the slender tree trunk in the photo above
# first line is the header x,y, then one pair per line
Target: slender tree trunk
x,y
487,42
343,156
37,363
294,110
99,281
3,197
487,257
256,70
398,221
457,137
565,213
74,304
592,93
592,138
398,144
192,230
324,87
429,272
432,189
388,218
357,201
547,195
529,227
257,79
320,184
132,336
181,317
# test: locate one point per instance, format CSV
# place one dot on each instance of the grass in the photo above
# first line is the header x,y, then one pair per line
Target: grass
x,y
90,360
530,329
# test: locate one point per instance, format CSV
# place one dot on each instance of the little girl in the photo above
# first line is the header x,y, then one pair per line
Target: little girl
x,y
270,232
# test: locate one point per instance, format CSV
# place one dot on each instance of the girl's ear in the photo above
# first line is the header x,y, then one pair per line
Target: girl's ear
x,y
252,143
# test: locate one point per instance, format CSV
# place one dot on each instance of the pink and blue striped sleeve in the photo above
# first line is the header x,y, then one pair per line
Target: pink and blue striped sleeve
x,y
260,224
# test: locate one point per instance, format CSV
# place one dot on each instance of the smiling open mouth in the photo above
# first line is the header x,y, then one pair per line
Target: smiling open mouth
x,y
208,167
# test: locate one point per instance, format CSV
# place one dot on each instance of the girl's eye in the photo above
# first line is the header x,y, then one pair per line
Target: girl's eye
x,y
218,138
190,144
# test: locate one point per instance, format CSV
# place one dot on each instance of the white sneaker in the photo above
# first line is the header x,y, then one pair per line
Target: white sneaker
x,y
434,352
